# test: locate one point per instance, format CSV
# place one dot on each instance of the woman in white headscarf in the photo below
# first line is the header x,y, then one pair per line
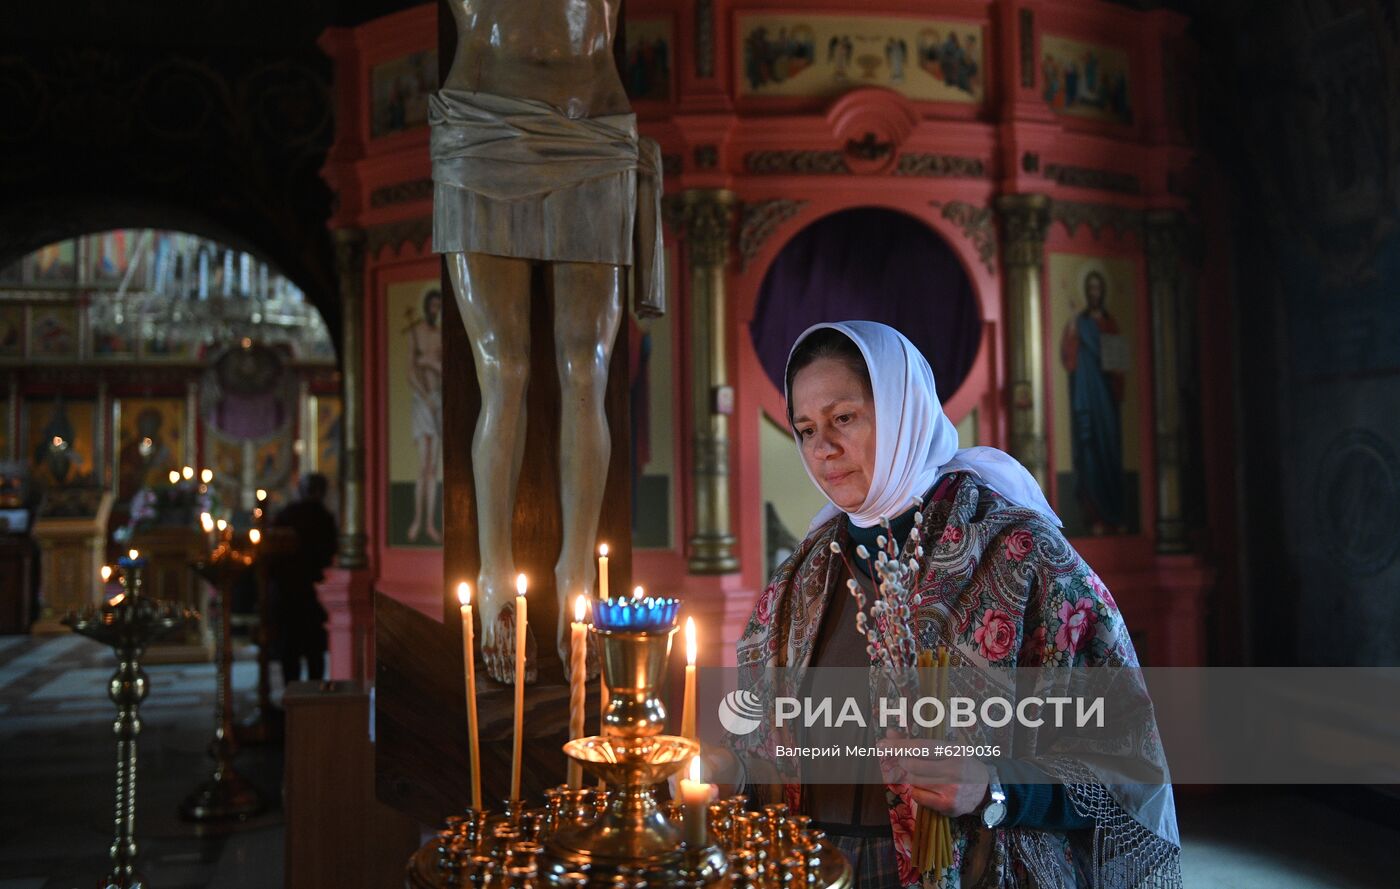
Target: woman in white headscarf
x,y
996,583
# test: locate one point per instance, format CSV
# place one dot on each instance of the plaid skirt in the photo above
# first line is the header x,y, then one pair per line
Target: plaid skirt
x,y
873,864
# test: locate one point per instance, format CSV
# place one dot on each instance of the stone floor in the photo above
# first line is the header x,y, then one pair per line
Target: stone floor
x,y
57,771
56,778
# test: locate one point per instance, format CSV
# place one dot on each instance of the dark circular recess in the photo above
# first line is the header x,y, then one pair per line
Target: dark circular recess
x,y
873,264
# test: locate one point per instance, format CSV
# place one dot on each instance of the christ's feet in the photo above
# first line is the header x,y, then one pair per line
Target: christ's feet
x,y
498,636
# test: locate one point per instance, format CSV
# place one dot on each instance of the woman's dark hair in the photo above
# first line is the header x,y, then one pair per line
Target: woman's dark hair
x,y
825,343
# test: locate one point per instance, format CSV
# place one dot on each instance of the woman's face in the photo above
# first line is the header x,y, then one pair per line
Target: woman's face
x,y
833,412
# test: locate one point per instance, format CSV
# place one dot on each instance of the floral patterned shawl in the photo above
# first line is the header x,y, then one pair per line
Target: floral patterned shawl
x,y
1003,587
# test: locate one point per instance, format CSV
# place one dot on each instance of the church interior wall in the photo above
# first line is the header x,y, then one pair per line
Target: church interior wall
x,y
793,150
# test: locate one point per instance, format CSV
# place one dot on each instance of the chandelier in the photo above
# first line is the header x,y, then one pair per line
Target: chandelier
x,y
186,289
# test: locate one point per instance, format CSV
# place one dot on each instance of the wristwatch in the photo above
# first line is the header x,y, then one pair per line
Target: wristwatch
x,y
994,810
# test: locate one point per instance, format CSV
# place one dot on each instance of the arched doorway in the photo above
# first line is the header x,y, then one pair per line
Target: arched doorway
x,y
116,347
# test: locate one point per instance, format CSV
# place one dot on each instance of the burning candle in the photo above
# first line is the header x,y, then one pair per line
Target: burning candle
x,y
520,624
464,595
578,670
688,702
603,572
695,799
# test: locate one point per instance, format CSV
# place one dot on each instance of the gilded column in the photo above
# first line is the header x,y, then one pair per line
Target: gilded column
x,y
350,266
708,218
1025,218
1169,279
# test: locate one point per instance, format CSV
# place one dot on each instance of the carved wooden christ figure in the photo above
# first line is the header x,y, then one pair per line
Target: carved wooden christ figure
x,y
536,158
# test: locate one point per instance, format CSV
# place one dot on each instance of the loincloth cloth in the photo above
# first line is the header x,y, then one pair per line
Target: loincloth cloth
x,y
514,177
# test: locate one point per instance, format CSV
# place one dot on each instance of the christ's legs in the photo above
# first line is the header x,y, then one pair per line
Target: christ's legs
x,y
587,312
431,474
422,509
493,296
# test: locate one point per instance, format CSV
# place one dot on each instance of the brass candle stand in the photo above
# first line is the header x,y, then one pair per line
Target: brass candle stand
x,y
621,837
128,623
225,794
265,723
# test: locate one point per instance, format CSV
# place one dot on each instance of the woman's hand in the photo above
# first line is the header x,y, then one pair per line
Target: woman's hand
x,y
950,785
953,786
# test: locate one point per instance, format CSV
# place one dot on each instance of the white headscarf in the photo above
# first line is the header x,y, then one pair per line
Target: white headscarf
x,y
915,442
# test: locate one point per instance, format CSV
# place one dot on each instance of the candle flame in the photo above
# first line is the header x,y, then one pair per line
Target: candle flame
x,y
464,593
221,524
117,599
520,584
603,550
207,476
695,769
637,592
690,641
188,472
580,608
106,573
133,554
174,476
255,536
207,521
262,494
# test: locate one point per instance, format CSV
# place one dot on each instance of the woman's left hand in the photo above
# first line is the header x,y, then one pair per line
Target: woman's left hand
x,y
951,786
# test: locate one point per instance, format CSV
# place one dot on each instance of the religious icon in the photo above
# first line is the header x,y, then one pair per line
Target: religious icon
x,y
60,442
1085,80
400,90
151,431
11,331
414,312
424,375
794,54
53,331
648,73
1095,395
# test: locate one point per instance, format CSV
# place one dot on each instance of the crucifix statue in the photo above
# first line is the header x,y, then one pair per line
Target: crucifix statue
x,y
536,159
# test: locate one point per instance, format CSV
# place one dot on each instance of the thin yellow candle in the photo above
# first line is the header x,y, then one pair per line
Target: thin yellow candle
x,y
602,597
578,669
695,799
603,572
464,595
520,623
688,702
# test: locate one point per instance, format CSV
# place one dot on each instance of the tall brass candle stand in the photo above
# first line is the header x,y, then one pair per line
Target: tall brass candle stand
x,y
225,794
265,723
128,623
